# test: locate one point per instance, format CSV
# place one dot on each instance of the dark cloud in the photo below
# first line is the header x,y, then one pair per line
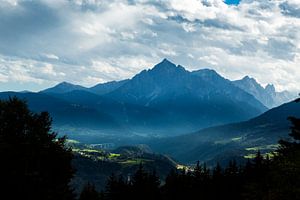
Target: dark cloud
x,y
290,9
281,49
213,23
22,26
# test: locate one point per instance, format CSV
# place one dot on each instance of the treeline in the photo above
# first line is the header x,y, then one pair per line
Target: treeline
x,y
261,178
35,164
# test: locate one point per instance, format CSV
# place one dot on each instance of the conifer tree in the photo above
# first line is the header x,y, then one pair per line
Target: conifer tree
x,y
116,188
89,193
145,185
35,163
285,170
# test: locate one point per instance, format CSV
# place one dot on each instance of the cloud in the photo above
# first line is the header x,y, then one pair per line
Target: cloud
x,y
90,41
290,8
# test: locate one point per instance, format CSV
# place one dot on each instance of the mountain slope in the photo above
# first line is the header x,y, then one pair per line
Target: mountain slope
x,y
127,115
239,139
96,165
165,100
268,95
65,113
63,88
104,88
188,100
99,89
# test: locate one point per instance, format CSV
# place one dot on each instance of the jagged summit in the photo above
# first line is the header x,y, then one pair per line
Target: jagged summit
x,y
166,66
165,60
64,83
249,79
267,95
270,88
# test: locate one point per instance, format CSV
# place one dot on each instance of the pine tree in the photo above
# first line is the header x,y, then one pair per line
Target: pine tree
x,y
116,188
217,187
278,178
89,193
285,170
145,185
35,163
233,181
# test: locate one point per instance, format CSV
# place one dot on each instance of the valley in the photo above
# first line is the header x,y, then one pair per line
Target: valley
x,y
189,116
95,164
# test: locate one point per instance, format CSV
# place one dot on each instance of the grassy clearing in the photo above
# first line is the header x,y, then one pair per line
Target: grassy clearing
x,y
69,141
269,150
265,147
114,155
135,161
180,167
236,139
265,155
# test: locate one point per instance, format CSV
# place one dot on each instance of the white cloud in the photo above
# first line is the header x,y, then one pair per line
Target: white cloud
x,y
91,41
51,56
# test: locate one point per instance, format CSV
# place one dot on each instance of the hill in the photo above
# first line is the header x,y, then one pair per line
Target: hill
x,y
65,113
235,140
95,165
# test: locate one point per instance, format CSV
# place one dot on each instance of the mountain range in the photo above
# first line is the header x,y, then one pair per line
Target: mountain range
x,y
267,95
236,140
166,100
166,103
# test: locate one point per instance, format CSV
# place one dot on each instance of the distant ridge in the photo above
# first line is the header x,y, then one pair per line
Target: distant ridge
x,y
100,89
164,100
104,88
267,95
221,143
63,88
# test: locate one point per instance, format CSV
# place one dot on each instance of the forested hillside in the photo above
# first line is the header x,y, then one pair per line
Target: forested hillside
x,y
37,165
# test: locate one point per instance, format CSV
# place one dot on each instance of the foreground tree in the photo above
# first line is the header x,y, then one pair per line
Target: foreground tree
x,y
278,178
285,173
89,193
35,163
144,185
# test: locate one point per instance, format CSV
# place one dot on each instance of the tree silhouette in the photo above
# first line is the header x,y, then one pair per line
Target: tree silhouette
x,y
35,163
217,190
116,188
145,185
89,193
277,178
285,171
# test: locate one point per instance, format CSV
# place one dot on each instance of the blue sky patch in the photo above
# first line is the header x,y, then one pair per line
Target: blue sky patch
x,y
232,2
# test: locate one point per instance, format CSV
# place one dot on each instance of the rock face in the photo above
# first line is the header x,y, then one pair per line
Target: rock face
x,y
266,95
164,100
187,99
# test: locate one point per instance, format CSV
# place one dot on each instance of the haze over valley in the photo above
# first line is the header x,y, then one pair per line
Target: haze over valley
x,y
149,99
158,105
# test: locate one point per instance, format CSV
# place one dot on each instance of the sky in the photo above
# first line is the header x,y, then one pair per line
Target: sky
x,y
44,42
